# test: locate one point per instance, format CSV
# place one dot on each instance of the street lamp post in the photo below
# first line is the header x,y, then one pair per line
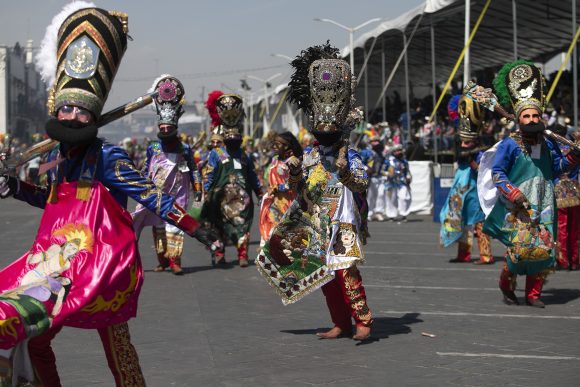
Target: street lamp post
x,y
266,83
351,31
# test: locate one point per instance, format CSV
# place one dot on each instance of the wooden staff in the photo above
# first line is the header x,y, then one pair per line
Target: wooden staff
x,y
10,162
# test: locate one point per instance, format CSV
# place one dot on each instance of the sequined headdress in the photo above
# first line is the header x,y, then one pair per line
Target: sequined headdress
x,y
322,86
471,117
169,100
80,55
522,85
230,109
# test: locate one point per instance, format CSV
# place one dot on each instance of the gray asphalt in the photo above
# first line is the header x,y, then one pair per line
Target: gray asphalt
x,y
226,327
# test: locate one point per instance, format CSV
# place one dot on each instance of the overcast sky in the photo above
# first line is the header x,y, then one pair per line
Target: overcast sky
x,y
204,42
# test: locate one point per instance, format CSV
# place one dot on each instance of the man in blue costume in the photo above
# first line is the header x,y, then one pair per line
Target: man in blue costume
x,y
522,171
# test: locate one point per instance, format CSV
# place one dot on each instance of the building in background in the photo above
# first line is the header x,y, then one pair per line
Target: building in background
x,y
22,93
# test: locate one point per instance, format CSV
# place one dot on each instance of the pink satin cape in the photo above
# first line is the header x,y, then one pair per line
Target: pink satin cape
x,y
85,256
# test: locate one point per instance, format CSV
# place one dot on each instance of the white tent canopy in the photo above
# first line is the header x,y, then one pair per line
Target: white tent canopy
x,y
537,30
544,28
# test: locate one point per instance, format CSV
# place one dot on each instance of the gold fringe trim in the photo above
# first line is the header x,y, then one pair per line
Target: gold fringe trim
x,y
84,190
53,194
297,295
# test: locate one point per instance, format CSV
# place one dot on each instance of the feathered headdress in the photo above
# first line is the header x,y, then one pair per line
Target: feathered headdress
x,y
80,55
501,89
156,81
211,107
521,85
46,58
299,85
453,109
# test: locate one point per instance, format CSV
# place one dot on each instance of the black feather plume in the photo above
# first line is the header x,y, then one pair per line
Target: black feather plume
x,y
299,84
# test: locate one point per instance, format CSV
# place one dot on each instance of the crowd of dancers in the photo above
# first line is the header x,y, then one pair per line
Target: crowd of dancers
x,y
84,269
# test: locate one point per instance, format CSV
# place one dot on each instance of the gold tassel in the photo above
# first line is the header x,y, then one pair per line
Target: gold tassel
x,y
84,190
53,194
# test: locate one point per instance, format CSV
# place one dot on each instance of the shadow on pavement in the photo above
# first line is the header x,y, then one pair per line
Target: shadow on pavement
x,y
383,327
559,296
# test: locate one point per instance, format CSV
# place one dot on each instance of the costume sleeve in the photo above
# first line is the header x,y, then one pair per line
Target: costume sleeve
x,y
121,174
355,178
507,152
32,194
194,174
147,163
254,181
560,163
408,176
211,168
278,176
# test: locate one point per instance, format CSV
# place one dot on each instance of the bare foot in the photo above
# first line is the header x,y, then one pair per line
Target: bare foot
x,y
362,333
177,270
334,333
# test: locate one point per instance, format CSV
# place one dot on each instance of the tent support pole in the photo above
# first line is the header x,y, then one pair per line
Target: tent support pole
x,y
515,27
466,62
575,66
366,88
408,103
434,92
384,102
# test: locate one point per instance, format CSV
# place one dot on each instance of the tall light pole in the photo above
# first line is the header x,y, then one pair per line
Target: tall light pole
x,y
266,83
351,31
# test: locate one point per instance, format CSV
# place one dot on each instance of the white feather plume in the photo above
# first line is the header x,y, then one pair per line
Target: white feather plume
x,y
45,60
156,81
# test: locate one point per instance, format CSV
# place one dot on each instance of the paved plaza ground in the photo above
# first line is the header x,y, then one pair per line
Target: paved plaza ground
x,y
227,327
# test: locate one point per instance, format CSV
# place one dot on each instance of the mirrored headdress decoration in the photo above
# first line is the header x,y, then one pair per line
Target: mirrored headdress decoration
x,y
522,85
80,54
471,117
230,109
322,86
169,100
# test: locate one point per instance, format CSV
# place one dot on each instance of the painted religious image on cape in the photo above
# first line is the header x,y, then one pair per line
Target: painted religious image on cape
x,y
452,211
293,259
529,233
45,283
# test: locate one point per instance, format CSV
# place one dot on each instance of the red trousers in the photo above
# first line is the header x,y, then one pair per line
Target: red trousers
x,y
121,357
534,283
346,300
568,235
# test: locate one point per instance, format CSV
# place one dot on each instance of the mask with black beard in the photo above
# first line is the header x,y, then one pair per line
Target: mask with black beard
x,y
532,131
71,132
167,137
233,144
327,138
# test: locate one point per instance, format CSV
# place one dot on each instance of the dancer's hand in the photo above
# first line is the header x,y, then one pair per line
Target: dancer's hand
x,y
519,199
341,161
209,238
295,165
7,186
